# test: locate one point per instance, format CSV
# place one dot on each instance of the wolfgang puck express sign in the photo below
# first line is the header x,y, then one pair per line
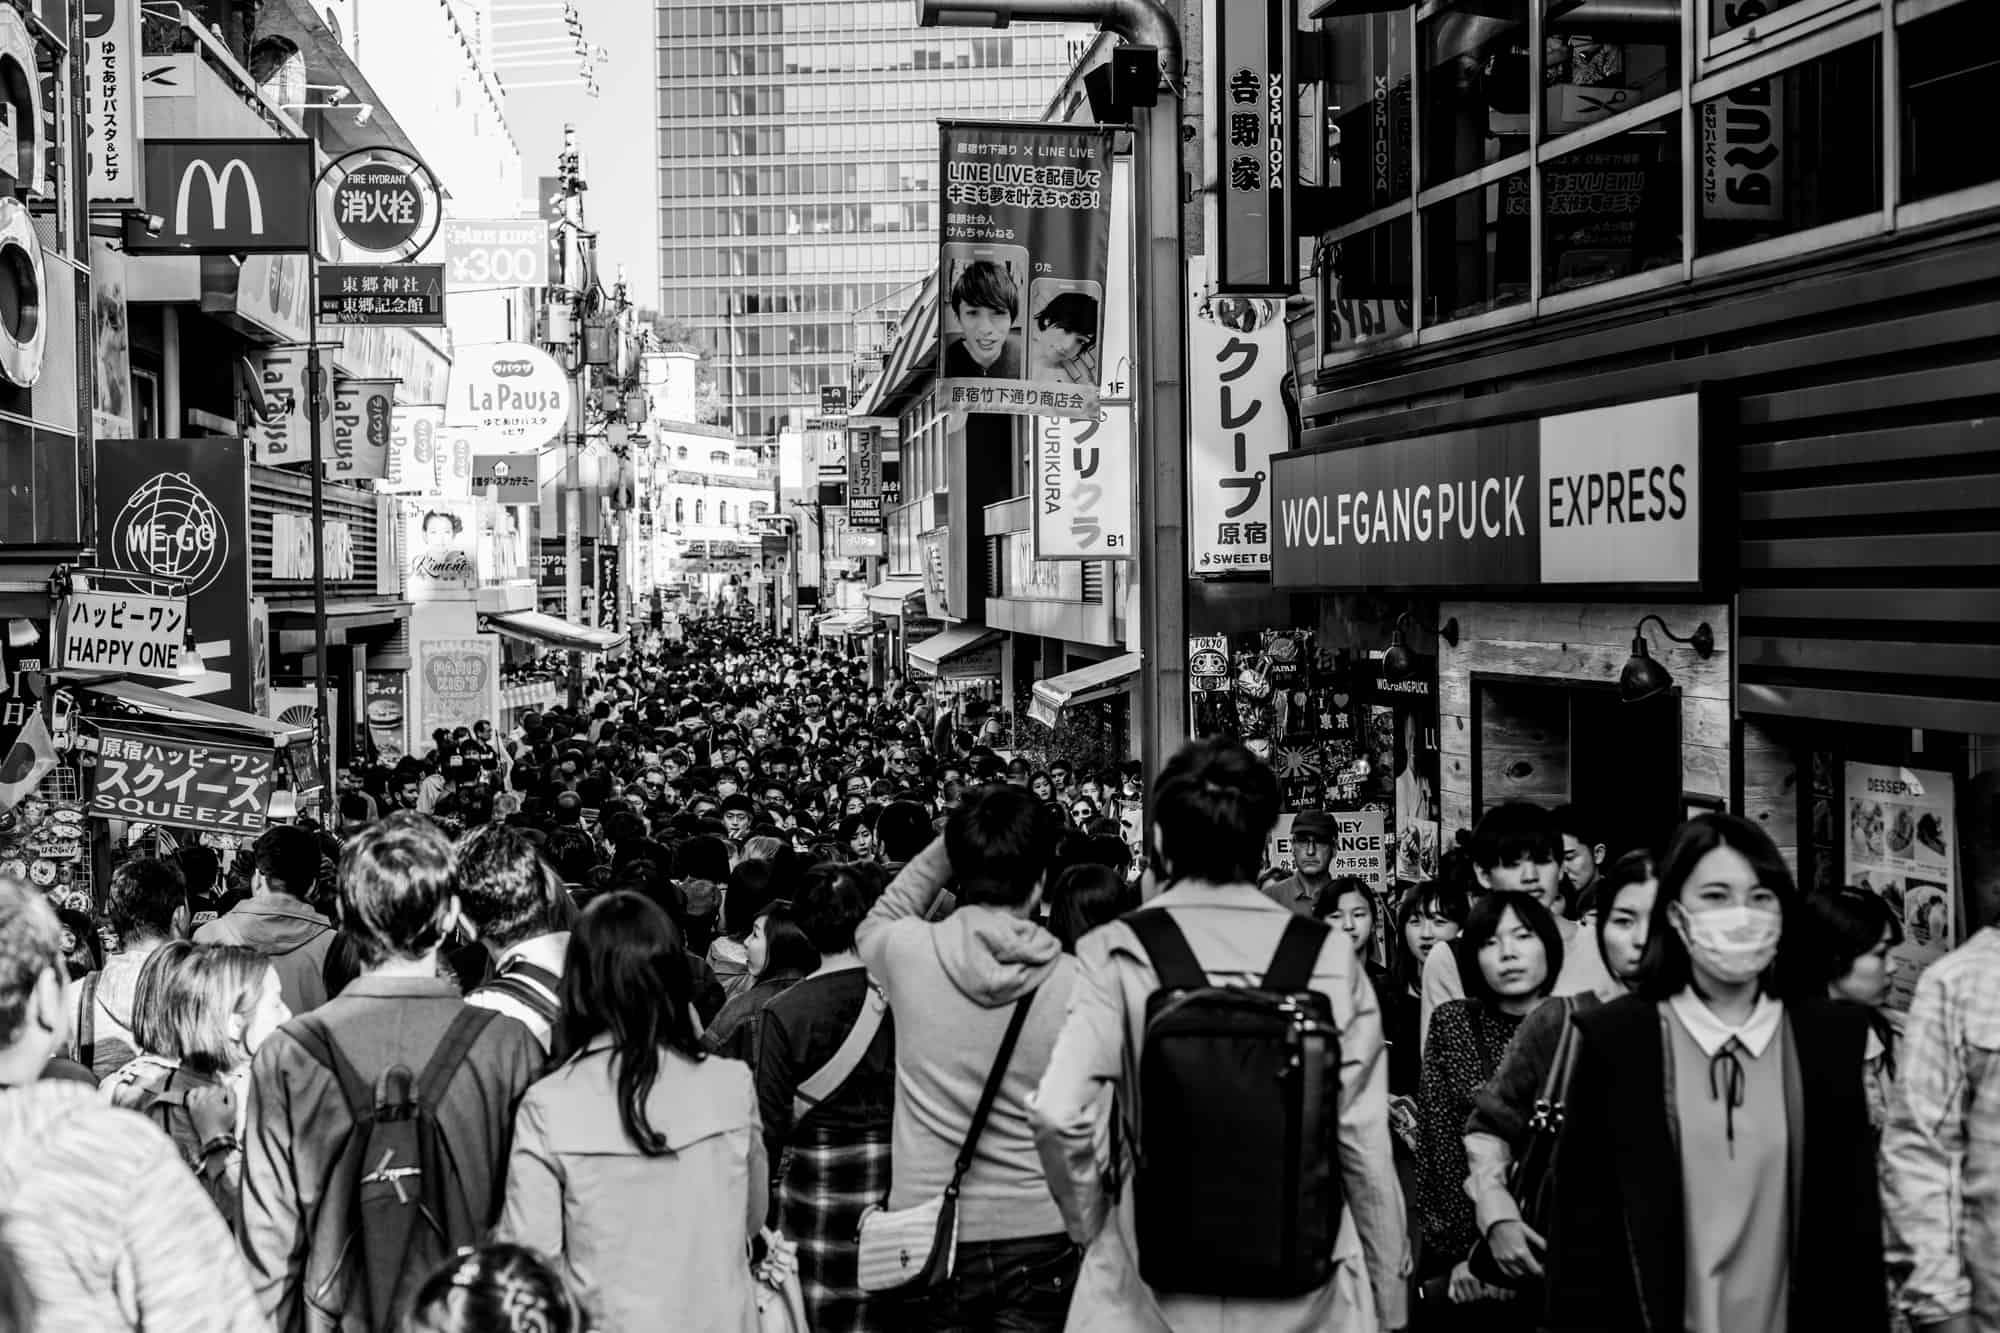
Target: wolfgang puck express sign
x,y
1608,496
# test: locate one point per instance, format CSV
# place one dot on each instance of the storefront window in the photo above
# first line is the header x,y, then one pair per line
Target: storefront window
x,y
1355,125
1595,65
1476,250
1476,87
1366,281
1613,209
1951,82
1798,150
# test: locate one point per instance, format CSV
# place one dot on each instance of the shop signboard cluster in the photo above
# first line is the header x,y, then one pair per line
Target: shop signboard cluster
x,y
121,631
208,786
1606,496
1021,267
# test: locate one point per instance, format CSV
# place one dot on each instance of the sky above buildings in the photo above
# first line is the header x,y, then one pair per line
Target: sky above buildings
x,y
616,132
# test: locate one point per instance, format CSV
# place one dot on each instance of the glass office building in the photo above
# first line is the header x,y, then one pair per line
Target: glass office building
x,y
798,176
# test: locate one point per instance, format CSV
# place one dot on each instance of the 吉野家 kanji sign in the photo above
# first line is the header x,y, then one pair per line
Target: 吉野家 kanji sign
x,y
361,294
205,785
121,631
1249,150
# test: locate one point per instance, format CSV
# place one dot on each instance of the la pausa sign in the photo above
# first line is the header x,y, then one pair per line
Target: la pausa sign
x,y
1607,496
508,391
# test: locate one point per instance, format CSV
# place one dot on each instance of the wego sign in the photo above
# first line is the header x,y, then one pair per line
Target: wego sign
x,y
230,196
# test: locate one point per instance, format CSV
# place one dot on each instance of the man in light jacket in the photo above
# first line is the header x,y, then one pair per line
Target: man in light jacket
x,y
953,987
1208,837
276,920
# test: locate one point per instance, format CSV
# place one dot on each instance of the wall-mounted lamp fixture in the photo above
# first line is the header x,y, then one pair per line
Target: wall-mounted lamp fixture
x,y
1398,662
1643,677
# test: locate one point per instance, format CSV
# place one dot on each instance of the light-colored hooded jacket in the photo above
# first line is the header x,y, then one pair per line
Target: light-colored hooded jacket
x,y
1233,930
952,986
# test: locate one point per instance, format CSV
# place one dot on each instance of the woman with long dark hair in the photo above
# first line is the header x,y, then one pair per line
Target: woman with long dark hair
x,y
779,957
1715,1170
1849,953
638,1163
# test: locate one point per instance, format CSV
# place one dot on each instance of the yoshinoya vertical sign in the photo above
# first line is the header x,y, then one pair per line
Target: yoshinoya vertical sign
x,y
1236,421
1607,496
113,105
1083,469
1021,266
179,511
864,472
1249,152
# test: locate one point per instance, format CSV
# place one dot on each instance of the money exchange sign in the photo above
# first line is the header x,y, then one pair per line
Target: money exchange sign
x,y
210,786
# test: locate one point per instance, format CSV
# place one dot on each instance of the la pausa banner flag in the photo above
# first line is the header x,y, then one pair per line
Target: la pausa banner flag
x,y
1021,262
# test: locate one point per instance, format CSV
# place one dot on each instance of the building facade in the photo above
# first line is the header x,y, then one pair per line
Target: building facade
x,y
798,183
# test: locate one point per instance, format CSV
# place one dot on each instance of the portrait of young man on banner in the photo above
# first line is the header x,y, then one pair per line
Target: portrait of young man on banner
x,y
1021,267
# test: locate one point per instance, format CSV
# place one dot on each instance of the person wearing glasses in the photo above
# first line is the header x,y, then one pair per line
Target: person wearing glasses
x,y
1081,812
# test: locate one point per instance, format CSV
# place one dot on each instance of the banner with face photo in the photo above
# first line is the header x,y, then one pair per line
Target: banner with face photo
x,y
1021,267
441,541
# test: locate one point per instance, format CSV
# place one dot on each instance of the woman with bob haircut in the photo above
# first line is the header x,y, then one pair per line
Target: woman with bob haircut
x,y
1715,1170
779,957
638,1162
200,1011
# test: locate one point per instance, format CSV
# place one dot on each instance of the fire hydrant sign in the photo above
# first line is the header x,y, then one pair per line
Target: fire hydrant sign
x,y
121,631
210,786
510,395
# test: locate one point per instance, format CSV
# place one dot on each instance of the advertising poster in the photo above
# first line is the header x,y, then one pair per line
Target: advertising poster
x,y
357,445
441,545
1237,361
458,682
1743,139
1021,267
504,534
500,252
1417,810
203,785
111,337
1902,843
383,703
260,654
1208,685
179,511
507,396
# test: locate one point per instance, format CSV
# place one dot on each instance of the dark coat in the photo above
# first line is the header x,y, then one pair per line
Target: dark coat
x,y
1616,1258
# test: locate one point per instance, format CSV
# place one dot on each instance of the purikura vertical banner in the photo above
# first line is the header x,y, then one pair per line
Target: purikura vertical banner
x,y
1083,469
1236,421
1021,267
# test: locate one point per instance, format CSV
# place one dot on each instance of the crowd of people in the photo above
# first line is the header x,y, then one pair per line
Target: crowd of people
x,y
752,996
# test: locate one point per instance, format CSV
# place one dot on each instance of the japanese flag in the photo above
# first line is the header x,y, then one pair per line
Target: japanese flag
x,y
33,755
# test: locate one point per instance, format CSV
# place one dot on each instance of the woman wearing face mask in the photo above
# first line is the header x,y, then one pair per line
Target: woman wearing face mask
x,y
1517,950
1497,1129
1715,1170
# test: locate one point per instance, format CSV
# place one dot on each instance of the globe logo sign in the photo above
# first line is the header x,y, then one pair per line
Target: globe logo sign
x,y
170,530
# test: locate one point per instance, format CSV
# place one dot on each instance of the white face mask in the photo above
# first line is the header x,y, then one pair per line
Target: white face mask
x,y
1735,944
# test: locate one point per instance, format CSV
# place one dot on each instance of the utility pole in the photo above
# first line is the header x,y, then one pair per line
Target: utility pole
x,y
1160,287
569,171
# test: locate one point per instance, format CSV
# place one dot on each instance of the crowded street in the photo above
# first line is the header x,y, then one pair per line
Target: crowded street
x,y
999,666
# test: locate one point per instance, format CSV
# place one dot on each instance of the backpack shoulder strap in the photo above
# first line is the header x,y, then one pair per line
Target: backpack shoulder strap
x,y
1160,936
312,1035
527,994
535,972
451,1052
826,1080
86,1028
1291,968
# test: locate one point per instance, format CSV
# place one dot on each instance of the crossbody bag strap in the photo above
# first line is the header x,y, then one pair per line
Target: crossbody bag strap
x,y
826,1080
1556,1089
991,1092
86,1041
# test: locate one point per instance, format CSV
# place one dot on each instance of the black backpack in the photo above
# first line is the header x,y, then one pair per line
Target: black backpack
x,y
393,1206
1236,1182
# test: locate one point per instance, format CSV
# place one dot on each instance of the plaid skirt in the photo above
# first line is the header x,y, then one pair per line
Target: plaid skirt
x,y
826,1182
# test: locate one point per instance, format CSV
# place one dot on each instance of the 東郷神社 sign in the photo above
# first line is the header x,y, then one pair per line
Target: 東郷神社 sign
x,y
1607,496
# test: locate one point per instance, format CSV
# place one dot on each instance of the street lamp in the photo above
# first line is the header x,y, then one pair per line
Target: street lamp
x,y
1160,318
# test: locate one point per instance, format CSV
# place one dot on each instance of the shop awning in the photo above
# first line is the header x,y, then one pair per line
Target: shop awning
x,y
1085,685
841,624
891,597
347,615
554,631
160,705
937,655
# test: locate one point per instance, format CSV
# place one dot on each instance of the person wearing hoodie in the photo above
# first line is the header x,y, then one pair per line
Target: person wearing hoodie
x,y
275,919
953,986
147,904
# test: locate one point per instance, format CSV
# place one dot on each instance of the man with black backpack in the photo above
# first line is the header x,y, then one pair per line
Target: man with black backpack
x,y
379,1125
1249,1180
